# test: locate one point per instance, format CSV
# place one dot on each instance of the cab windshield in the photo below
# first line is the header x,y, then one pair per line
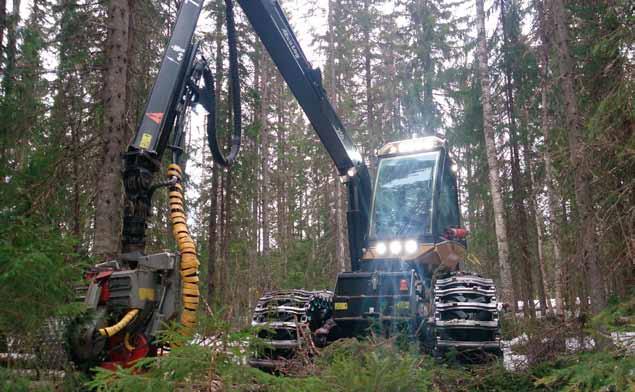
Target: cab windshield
x,y
402,205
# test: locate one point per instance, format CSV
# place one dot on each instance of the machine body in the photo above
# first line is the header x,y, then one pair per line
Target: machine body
x,y
405,237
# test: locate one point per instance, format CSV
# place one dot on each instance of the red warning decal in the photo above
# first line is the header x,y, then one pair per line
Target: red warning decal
x,y
156,117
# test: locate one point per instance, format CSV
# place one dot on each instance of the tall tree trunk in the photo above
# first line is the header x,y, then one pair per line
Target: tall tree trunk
x,y
109,188
77,217
506,284
222,285
552,195
3,25
281,174
12,48
264,158
332,88
212,236
543,287
555,223
429,123
368,75
227,229
586,241
215,219
520,233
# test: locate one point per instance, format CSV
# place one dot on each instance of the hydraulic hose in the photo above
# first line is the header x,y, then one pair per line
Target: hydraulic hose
x,y
212,137
114,329
187,248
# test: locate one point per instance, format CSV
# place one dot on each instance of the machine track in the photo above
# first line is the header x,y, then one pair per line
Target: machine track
x,y
286,320
464,318
465,315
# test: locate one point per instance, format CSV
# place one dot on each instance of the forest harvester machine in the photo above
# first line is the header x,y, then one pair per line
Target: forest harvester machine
x,y
404,233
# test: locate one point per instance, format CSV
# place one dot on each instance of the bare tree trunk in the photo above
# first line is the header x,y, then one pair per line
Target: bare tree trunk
x,y
506,284
216,223
558,279
368,74
109,188
221,286
264,142
212,236
332,87
77,226
543,287
3,25
12,47
227,228
552,195
520,233
586,242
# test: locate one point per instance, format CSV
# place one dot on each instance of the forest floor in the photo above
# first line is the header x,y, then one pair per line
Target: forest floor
x,y
539,356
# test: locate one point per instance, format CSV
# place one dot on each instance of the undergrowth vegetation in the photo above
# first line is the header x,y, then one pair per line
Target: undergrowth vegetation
x,y
352,365
369,365
217,361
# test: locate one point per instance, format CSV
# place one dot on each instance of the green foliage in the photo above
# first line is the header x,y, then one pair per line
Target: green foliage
x,y
38,267
617,317
9,381
189,363
600,371
489,378
352,365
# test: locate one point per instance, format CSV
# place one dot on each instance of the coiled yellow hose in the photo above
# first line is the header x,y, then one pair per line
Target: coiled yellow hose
x,y
114,329
187,248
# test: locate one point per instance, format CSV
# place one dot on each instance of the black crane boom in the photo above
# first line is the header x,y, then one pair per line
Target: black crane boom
x,y
273,28
173,89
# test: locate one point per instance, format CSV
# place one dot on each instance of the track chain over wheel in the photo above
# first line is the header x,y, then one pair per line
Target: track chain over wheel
x,y
287,319
465,316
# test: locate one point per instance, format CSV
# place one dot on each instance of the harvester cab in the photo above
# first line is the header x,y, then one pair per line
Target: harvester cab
x,y
414,215
414,235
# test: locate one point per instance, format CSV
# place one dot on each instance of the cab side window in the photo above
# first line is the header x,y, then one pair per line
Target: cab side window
x,y
448,211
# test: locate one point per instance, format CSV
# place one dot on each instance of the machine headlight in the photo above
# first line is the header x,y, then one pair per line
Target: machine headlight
x,y
395,247
381,248
410,246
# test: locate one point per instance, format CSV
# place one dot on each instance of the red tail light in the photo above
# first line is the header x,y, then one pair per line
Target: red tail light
x,y
457,233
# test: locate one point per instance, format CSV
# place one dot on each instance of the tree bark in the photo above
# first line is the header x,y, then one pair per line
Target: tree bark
x,y
222,286
3,25
76,200
109,187
214,223
368,73
506,285
586,241
12,47
264,158
552,195
543,287
212,237
520,233
332,88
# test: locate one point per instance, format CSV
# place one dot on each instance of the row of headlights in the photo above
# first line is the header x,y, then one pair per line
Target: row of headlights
x,y
396,248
